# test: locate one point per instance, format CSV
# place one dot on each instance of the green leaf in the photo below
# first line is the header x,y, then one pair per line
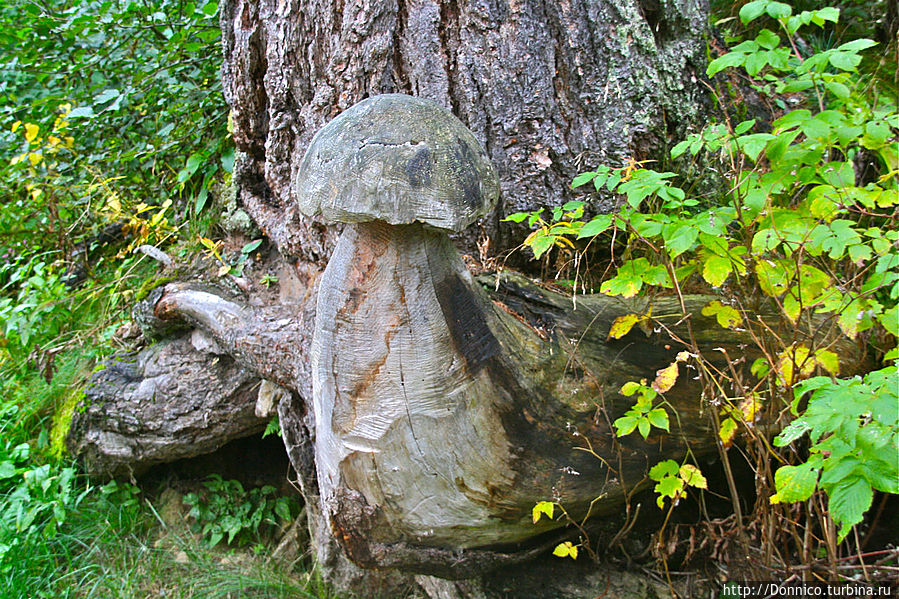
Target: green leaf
x,y
542,508
844,60
691,475
7,469
663,470
679,238
643,427
715,270
540,243
778,10
753,144
625,425
597,225
744,126
623,285
794,483
828,13
857,45
517,217
849,500
727,317
670,486
767,39
82,112
752,10
583,179
680,148
658,417
791,432
731,59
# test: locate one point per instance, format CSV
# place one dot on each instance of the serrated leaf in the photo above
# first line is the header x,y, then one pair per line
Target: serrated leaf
x,y
664,469
692,476
541,508
727,317
665,379
658,417
795,483
849,500
727,431
625,425
622,325
566,549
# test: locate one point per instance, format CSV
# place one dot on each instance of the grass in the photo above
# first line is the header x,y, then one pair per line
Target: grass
x,y
115,545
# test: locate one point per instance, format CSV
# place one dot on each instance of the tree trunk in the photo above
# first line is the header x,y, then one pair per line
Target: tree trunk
x,y
549,89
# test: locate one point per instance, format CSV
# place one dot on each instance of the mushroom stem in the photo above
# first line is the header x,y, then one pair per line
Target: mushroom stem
x,y
404,404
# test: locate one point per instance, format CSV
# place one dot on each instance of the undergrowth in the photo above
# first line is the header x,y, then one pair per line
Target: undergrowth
x,y
802,254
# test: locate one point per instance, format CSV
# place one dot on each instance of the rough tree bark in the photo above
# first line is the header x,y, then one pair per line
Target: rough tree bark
x,y
546,87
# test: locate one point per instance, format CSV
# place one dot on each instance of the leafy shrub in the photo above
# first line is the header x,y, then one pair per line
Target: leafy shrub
x,y
807,228
226,509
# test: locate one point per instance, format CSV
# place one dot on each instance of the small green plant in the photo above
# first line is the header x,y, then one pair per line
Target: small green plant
x,y
853,425
225,509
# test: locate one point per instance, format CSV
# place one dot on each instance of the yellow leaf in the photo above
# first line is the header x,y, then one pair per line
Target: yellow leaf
x,y
34,158
794,364
542,507
726,316
691,475
749,406
70,141
774,499
223,270
622,325
31,131
683,356
665,378
727,431
566,549
829,361
15,126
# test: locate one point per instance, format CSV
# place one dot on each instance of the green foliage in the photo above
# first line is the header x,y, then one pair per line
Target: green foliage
x,y
28,312
642,416
803,229
672,480
226,509
854,428
118,91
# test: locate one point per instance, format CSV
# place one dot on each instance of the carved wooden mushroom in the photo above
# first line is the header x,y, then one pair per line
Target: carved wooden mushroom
x,y
441,415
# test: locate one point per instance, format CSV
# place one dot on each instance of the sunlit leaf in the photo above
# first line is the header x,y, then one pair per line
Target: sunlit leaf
x,y
665,378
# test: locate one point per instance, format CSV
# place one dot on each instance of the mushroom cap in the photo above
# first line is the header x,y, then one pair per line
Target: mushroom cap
x,y
398,159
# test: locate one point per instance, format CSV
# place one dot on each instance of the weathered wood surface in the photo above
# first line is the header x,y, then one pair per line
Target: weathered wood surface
x,y
457,405
443,416
180,398
548,88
